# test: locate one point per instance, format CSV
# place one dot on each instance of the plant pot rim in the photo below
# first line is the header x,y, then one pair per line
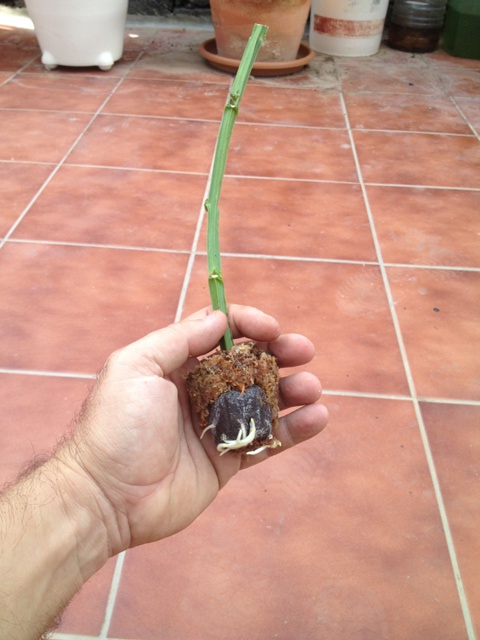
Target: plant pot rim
x,y
208,51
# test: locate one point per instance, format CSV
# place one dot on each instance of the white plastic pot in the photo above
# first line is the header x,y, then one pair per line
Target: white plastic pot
x,y
79,33
347,27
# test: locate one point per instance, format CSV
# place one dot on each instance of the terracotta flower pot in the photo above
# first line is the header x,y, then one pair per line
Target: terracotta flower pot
x,y
233,21
79,33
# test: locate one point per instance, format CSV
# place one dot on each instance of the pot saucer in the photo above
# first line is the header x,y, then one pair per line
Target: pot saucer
x,y
208,50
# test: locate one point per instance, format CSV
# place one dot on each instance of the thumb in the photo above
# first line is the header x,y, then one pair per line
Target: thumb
x,y
171,347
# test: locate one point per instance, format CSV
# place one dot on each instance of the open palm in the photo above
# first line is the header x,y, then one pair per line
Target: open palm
x,y
137,438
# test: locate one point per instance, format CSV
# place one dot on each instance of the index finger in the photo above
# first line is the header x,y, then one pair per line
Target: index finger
x,y
246,322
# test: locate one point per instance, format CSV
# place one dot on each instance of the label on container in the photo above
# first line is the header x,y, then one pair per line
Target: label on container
x,y
347,28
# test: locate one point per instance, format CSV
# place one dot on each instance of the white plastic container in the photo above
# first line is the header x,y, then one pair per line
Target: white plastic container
x,y
347,27
79,33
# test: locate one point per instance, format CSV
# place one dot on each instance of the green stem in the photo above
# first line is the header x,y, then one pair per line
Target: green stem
x,y
215,278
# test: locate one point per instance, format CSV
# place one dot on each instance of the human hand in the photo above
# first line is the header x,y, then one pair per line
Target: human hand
x,y
138,444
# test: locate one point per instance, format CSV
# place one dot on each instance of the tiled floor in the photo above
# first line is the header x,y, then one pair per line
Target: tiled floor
x,y
351,210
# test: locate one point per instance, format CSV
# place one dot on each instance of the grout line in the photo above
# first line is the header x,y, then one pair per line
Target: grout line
x,y
467,121
431,266
429,400
7,79
399,265
275,125
348,393
108,167
74,112
253,256
193,253
203,173
407,132
41,163
35,54
246,176
419,186
70,636
49,374
266,256
421,425
94,245
112,596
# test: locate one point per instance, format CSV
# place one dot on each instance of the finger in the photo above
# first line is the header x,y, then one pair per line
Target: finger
x,y
201,313
299,389
292,350
295,427
249,322
246,322
302,424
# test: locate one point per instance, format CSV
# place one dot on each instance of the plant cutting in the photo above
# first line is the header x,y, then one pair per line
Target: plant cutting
x,y
235,390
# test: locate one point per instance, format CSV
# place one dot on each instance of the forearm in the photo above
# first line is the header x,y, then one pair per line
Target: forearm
x,y
52,539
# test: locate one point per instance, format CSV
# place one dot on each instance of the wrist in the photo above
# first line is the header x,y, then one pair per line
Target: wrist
x,y
85,504
51,542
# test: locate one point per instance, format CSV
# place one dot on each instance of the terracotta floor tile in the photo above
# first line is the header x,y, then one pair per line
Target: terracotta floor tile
x,y
470,108
419,159
169,98
18,184
297,106
16,37
453,435
66,308
56,92
427,226
86,612
337,539
402,112
138,37
440,55
149,143
117,207
179,40
320,74
341,307
388,72
458,80
439,315
307,219
294,152
14,56
174,54
39,136
36,410
184,66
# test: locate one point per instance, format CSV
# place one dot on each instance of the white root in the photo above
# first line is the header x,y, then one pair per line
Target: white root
x,y
210,426
243,440
271,445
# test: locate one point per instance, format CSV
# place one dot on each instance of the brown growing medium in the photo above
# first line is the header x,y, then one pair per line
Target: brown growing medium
x,y
236,369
